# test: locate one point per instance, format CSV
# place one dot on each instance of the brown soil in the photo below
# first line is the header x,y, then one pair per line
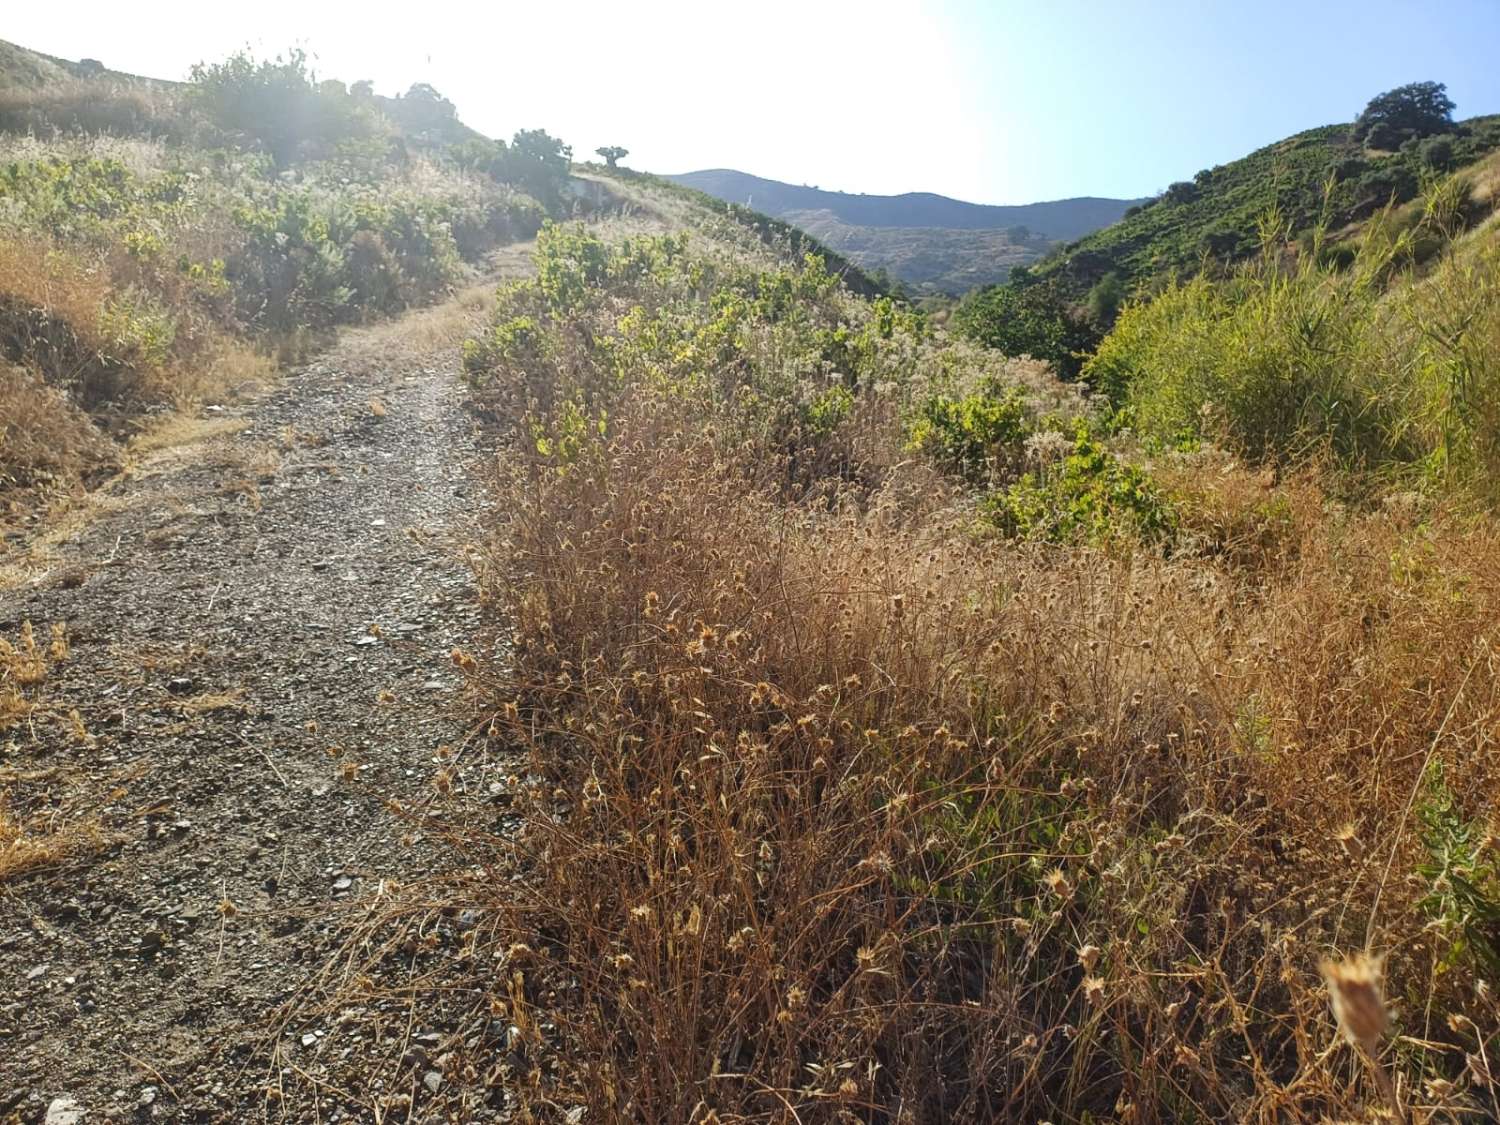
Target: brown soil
x,y
260,633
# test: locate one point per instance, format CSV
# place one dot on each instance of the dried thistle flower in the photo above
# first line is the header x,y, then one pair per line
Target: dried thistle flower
x,y
1354,990
1057,883
1093,990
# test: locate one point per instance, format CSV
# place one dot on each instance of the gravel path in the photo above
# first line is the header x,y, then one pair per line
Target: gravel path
x,y
260,632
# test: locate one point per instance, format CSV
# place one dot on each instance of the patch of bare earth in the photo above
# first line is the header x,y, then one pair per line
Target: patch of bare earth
x,y
257,701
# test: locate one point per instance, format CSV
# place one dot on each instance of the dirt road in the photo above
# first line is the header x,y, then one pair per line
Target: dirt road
x,y
260,629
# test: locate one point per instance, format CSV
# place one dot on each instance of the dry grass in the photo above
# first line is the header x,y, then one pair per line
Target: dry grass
x,y
46,836
841,813
93,106
179,431
43,436
53,317
840,807
432,329
27,847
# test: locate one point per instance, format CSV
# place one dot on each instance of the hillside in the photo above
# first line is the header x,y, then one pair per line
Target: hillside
x,y
1215,215
1313,193
36,83
1059,219
930,242
926,259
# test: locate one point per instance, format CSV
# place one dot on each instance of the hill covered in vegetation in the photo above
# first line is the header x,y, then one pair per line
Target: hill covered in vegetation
x,y
1216,216
929,242
1325,183
161,242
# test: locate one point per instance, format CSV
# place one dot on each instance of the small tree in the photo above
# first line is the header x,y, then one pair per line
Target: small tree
x,y
1026,317
280,104
423,109
538,164
1183,191
1418,109
1104,300
613,154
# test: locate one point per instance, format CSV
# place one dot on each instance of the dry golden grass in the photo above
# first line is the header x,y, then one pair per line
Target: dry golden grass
x,y
93,106
420,332
178,431
52,312
29,847
43,436
837,809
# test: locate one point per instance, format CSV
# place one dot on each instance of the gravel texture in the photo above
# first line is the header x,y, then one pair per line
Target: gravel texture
x,y
260,629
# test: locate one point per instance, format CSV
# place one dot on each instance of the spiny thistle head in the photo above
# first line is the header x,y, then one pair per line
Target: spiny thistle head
x,y
1354,990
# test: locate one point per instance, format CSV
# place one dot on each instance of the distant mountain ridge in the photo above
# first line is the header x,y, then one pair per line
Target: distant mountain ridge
x,y
931,242
1057,220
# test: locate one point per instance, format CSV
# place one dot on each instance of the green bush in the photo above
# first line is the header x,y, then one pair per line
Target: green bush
x,y
976,436
279,105
1089,495
779,357
1026,319
1436,153
1347,352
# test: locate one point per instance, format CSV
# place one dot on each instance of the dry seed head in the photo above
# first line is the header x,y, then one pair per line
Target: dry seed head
x,y
1088,957
1358,1005
1057,883
1093,990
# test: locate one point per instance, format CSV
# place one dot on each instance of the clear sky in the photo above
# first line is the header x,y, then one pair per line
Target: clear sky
x,y
1010,101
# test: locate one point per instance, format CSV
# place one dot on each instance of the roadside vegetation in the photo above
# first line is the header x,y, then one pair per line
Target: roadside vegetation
x,y
912,734
164,244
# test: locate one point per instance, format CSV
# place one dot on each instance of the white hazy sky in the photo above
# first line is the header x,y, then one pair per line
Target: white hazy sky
x,y
997,101
682,85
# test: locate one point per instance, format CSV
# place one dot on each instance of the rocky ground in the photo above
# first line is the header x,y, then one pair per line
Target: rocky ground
x,y
261,629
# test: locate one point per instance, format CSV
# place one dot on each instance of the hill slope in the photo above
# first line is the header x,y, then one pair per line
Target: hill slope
x,y
24,74
1214,216
924,239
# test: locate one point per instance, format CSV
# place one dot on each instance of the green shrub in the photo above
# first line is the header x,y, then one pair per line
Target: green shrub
x,y
1089,495
1436,153
279,105
1463,899
1346,351
777,356
509,343
1026,319
976,436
